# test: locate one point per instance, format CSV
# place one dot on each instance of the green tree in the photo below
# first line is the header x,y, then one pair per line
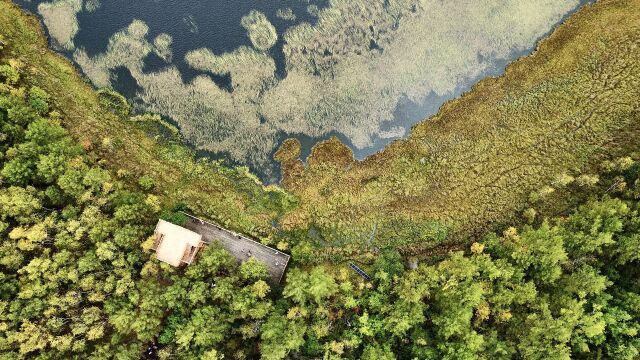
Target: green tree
x,y
39,100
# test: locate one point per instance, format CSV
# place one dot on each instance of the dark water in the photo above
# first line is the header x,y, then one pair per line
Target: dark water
x,y
191,23
215,24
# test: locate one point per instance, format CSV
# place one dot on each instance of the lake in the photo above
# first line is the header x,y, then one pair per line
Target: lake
x,y
238,77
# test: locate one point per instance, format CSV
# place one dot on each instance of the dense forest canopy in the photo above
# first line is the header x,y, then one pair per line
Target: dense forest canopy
x,y
78,278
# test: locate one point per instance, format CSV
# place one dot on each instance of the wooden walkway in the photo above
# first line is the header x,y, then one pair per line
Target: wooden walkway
x,y
241,246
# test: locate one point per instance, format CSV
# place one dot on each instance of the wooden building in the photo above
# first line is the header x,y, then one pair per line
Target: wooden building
x,y
176,245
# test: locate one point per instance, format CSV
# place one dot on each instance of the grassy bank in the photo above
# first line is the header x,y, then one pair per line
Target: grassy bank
x,y
497,150
230,196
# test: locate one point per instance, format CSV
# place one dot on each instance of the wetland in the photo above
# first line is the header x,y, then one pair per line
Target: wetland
x,y
239,77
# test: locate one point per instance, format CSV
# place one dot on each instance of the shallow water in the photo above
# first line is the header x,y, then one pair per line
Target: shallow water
x,y
216,25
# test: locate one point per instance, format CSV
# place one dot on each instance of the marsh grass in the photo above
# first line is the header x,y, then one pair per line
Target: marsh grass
x,y
60,18
162,44
126,48
92,5
286,14
262,33
313,10
515,143
334,81
251,71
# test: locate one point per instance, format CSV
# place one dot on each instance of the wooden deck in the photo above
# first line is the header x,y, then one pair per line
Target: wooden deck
x,y
241,246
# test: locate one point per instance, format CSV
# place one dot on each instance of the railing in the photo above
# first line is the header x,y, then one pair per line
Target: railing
x,y
189,254
158,241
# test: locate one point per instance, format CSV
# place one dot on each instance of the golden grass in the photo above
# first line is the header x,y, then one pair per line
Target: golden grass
x,y
474,164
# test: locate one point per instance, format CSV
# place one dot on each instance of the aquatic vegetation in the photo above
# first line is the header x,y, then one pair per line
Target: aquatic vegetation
x,y
162,45
228,129
420,49
346,73
225,121
313,10
251,71
126,48
286,14
393,133
60,18
92,5
262,33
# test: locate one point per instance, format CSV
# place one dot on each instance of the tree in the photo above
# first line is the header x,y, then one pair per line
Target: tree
x,y
390,262
253,269
376,352
280,336
19,203
9,75
540,252
39,100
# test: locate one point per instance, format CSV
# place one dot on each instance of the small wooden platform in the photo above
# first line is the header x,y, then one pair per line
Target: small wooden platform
x,y
241,246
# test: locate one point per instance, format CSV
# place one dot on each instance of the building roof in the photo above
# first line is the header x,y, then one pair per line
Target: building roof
x,y
175,241
241,246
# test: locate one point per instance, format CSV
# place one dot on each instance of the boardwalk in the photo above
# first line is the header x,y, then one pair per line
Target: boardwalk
x,y
241,246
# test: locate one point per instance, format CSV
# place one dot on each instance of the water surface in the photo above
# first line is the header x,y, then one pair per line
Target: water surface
x,y
365,76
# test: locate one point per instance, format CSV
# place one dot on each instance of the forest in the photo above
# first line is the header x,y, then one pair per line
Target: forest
x,y
83,181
